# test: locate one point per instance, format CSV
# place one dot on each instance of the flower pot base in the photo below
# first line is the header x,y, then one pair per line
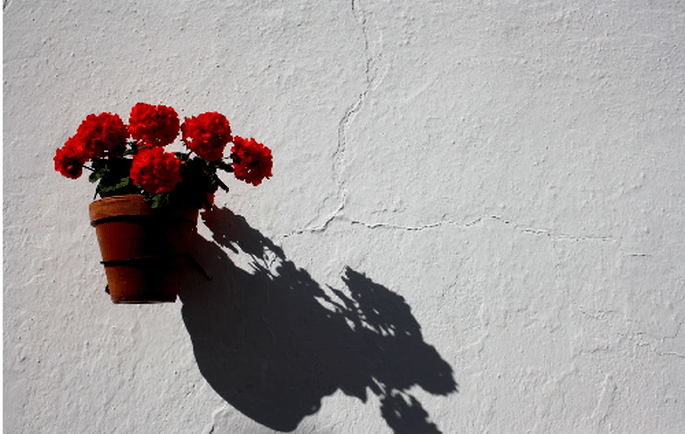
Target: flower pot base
x,y
143,251
143,280
148,298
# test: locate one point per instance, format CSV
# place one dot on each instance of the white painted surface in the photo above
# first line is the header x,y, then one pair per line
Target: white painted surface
x,y
508,176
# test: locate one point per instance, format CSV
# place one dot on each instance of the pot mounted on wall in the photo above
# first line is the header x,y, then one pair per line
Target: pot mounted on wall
x,y
150,199
144,251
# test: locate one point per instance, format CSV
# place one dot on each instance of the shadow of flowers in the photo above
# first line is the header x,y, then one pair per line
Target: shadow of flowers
x,y
273,343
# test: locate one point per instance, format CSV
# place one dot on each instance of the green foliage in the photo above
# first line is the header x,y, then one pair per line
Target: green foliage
x,y
157,201
199,179
112,177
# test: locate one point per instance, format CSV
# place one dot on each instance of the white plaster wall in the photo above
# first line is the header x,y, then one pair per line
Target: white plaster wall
x,y
492,193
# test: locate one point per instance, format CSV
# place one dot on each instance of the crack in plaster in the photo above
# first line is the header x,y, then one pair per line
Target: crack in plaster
x,y
341,151
340,164
434,225
550,234
655,347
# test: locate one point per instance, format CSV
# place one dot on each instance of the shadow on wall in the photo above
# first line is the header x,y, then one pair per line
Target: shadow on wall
x,y
273,343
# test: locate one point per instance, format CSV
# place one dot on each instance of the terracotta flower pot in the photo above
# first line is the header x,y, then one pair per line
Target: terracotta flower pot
x,y
144,251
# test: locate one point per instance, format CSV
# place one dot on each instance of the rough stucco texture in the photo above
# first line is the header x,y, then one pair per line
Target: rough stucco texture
x,y
475,224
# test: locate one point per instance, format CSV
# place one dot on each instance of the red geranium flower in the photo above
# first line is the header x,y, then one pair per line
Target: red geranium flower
x,y
130,159
153,125
252,161
207,135
101,134
70,158
155,170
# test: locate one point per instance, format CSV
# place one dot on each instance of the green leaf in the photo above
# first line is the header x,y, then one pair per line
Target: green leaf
x,y
113,177
225,166
217,182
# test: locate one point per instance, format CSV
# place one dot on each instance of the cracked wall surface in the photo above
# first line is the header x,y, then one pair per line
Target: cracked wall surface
x,y
475,223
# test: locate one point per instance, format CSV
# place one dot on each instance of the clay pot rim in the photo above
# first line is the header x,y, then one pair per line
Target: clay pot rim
x,y
133,205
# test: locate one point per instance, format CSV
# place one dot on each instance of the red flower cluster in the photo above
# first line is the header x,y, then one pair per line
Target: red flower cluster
x,y
153,125
252,161
101,134
69,159
96,137
207,135
130,159
155,170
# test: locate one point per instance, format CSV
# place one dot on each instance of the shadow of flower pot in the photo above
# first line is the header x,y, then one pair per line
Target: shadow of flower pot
x,y
273,343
